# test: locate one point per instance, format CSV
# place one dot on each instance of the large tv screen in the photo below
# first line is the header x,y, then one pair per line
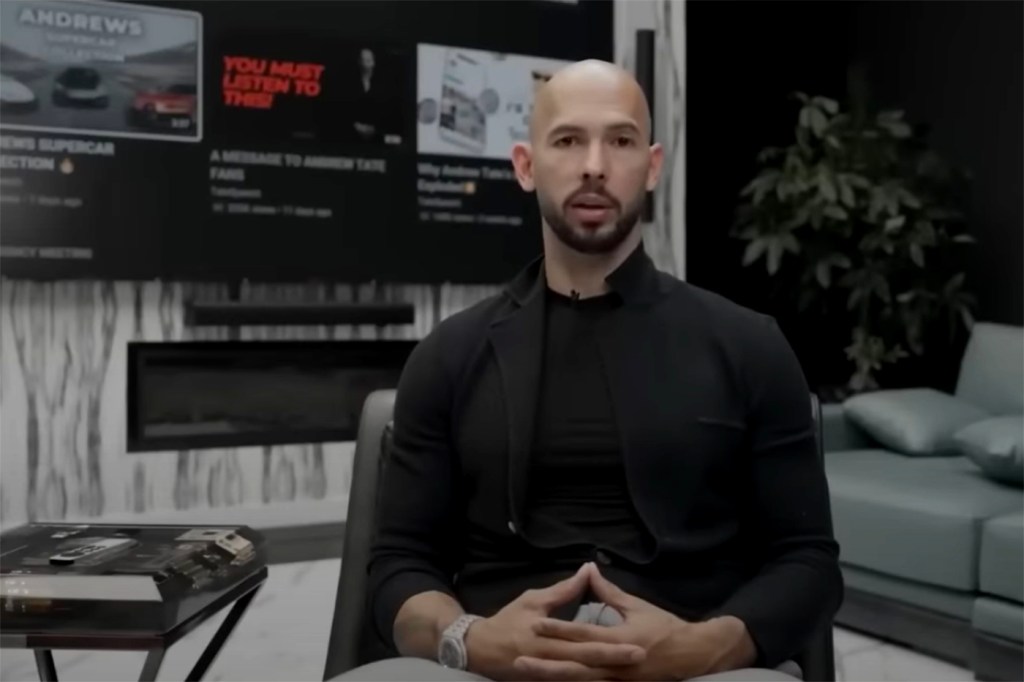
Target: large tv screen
x,y
346,141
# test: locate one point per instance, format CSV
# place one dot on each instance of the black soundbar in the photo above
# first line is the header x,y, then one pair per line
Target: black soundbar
x,y
238,313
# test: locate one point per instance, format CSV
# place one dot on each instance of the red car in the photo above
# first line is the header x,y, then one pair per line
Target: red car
x,y
172,107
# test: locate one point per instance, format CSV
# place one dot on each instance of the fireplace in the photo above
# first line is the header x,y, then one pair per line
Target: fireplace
x,y
189,395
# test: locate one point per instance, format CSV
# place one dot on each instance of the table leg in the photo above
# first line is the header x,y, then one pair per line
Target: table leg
x,y
221,636
44,664
152,665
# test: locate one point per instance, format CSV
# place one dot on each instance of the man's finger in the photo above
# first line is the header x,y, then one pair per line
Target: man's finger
x,y
564,591
577,632
591,654
562,671
609,592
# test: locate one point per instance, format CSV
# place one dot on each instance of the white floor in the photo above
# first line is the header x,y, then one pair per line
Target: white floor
x,y
284,637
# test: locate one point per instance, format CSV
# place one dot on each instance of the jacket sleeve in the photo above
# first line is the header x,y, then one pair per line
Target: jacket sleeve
x,y
415,545
799,585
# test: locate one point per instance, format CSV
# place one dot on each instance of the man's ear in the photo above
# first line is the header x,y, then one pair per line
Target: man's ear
x,y
654,171
522,162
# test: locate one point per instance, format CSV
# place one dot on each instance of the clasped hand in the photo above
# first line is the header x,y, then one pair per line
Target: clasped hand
x,y
521,642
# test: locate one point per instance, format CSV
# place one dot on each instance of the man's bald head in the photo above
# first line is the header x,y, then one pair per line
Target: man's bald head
x,y
590,158
590,80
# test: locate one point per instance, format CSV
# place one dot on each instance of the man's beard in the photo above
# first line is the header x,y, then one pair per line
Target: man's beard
x,y
591,241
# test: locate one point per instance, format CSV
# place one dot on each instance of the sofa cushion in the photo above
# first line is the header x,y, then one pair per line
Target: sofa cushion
x,y
992,370
913,421
1002,557
996,445
1000,618
913,518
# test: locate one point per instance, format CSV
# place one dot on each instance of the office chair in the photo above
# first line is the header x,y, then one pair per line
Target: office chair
x,y
352,642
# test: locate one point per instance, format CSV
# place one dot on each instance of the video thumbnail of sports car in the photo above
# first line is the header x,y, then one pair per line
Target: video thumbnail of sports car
x,y
15,96
172,106
80,86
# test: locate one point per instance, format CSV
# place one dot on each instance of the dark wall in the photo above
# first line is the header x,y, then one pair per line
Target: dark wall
x,y
955,66
744,58
959,67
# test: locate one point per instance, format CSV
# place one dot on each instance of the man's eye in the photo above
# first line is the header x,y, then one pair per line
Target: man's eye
x,y
623,141
566,141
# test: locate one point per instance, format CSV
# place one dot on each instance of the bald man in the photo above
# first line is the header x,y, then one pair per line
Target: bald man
x,y
603,473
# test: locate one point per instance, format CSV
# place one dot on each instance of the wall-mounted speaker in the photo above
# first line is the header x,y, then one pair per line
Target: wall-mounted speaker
x,y
644,72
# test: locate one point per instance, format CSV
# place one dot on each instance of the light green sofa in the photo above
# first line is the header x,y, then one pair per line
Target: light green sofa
x,y
932,550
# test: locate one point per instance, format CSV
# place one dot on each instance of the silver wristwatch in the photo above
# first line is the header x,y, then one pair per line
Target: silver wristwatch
x,y
451,651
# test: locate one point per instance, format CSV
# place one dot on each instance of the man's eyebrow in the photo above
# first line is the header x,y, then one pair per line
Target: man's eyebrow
x,y
570,128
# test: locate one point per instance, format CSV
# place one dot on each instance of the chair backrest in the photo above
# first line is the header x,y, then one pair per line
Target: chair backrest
x,y
352,642
817,661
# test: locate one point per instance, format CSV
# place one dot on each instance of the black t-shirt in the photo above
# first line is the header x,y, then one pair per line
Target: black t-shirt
x,y
578,497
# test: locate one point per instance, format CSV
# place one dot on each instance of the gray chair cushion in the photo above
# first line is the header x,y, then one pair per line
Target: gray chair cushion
x,y
913,518
992,371
1002,556
919,422
996,445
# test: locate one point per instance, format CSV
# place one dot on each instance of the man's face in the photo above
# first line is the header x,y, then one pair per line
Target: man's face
x,y
591,165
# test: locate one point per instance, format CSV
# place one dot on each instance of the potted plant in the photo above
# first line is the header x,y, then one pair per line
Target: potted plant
x,y
858,215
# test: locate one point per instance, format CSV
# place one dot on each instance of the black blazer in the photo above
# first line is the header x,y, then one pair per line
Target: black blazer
x,y
715,422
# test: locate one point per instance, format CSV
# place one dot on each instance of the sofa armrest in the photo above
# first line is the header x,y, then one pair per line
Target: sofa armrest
x,y
840,433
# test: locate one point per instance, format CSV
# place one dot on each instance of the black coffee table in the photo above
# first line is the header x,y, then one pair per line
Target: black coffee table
x,y
156,643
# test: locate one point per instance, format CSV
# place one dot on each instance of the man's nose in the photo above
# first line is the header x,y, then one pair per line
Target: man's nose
x,y
594,167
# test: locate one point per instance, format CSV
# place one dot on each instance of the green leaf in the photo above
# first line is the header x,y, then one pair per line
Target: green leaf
x,y
823,271
833,142
854,298
836,212
829,105
955,282
789,243
804,119
845,192
964,239
802,97
816,218
925,232
826,186
907,296
876,204
897,129
967,317
818,121
917,255
754,250
908,199
777,246
858,181
894,224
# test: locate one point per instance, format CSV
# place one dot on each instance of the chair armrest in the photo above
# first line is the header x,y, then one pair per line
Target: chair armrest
x,y
840,433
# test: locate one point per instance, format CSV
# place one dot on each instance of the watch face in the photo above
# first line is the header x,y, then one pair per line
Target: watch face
x,y
450,655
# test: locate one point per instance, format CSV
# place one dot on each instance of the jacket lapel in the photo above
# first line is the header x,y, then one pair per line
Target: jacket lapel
x,y
518,342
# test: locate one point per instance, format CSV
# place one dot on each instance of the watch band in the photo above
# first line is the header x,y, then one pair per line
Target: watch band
x,y
452,650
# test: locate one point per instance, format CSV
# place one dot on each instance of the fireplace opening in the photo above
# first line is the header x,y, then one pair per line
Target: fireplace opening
x,y
189,395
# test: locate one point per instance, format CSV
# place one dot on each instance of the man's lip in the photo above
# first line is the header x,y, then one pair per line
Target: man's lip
x,y
592,201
